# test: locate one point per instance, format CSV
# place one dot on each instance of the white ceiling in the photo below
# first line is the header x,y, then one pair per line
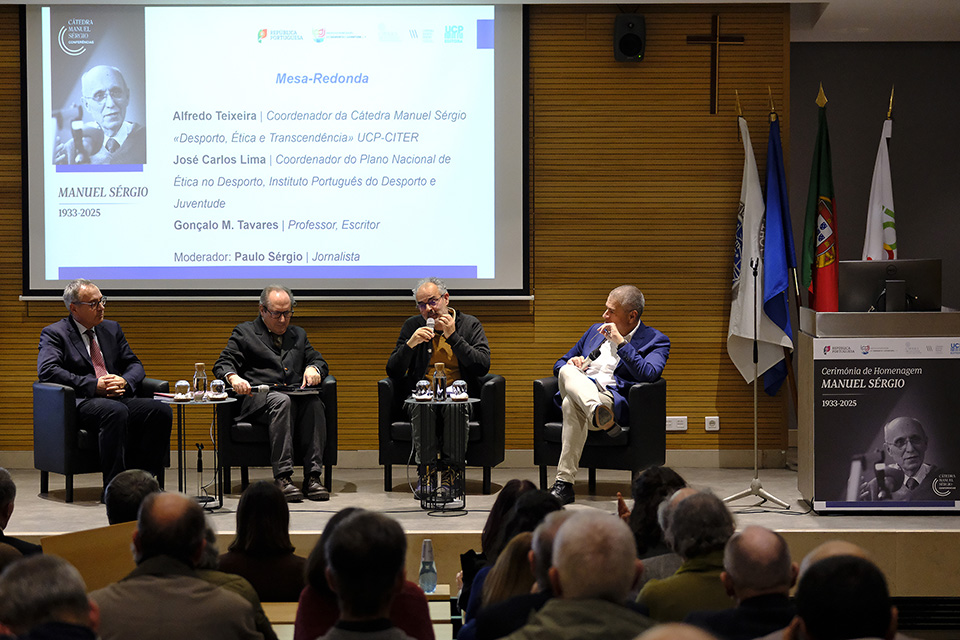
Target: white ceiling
x,y
875,21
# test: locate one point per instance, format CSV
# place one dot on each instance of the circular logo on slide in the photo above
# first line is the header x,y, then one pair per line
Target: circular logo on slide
x,y
62,39
944,484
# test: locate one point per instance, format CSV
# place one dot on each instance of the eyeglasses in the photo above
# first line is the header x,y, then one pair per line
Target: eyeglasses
x,y
101,96
276,315
93,304
432,303
901,443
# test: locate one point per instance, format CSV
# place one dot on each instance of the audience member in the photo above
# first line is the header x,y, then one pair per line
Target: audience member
x,y
8,494
696,525
842,598
208,568
318,609
675,631
829,549
499,620
758,574
650,488
44,598
164,597
262,552
125,493
595,566
511,574
471,562
527,513
366,555
8,555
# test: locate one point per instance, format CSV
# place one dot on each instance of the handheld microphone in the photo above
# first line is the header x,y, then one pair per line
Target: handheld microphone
x,y
431,323
259,388
590,358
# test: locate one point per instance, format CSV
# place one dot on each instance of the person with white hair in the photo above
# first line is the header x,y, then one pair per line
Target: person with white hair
x,y
594,568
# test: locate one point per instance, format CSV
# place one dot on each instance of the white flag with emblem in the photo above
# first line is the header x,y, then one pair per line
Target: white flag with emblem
x,y
743,304
880,240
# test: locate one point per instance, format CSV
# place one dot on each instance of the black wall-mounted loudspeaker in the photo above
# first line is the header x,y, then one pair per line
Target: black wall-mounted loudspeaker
x,y
629,37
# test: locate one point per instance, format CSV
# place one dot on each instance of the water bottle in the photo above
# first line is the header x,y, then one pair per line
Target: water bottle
x,y
428,570
439,383
199,382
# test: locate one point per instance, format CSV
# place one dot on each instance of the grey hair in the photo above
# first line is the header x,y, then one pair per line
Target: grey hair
x,y
210,558
436,281
270,288
542,545
71,292
629,297
39,589
697,525
760,564
595,556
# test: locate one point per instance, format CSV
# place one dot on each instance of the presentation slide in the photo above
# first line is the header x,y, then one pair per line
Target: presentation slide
x,y
219,148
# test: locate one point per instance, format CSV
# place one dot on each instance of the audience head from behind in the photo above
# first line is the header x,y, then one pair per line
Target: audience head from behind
x,y
8,493
541,547
529,511
842,598
316,569
170,524
829,549
675,631
649,489
695,523
263,521
594,557
498,513
512,574
366,554
210,558
125,493
39,590
757,562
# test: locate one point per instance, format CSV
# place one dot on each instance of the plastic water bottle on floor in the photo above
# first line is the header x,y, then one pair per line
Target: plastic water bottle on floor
x,y
428,570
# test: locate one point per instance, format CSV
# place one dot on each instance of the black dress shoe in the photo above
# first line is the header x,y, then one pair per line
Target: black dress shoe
x,y
314,489
562,491
290,491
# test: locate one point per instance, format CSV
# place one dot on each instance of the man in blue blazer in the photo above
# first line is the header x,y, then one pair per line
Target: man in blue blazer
x,y
596,374
91,355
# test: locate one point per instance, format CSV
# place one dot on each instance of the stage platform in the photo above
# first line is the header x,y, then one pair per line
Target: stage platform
x,y
918,553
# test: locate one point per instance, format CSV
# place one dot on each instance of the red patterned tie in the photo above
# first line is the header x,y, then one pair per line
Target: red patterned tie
x,y
99,366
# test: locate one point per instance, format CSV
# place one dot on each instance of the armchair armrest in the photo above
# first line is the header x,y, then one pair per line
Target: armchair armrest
x,y
544,408
150,386
54,424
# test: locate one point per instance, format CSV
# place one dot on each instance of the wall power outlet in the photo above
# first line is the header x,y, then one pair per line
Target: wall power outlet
x,y
676,423
711,423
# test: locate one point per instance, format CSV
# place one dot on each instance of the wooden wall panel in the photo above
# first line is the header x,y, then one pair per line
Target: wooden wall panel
x,y
630,180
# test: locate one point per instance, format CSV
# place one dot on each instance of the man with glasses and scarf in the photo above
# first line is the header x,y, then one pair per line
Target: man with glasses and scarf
x,y
91,355
271,351
439,335
106,97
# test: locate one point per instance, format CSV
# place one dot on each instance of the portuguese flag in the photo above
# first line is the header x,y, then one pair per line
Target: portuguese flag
x,y
819,264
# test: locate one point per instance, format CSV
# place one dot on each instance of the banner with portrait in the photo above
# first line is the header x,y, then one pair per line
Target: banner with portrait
x,y
884,424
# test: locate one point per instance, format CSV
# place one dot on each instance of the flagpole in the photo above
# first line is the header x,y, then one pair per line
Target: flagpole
x,y
890,108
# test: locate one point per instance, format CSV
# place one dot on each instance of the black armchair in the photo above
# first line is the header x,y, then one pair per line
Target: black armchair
x,y
642,443
485,442
243,444
59,444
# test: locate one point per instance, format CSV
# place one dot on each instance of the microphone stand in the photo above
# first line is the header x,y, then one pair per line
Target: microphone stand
x,y
756,488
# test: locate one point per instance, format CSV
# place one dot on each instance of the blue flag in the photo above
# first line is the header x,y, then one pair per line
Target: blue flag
x,y
778,254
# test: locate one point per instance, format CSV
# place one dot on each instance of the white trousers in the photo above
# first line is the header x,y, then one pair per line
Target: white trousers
x,y
580,396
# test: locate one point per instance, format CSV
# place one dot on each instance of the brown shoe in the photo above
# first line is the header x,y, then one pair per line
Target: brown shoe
x,y
313,488
603,417
290,491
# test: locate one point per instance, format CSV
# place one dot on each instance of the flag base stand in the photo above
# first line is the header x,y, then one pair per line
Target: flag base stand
x,y
756,488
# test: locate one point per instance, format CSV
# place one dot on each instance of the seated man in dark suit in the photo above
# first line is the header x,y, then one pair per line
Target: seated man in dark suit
x,y
92,356
271,351
8,493
609,358
758,574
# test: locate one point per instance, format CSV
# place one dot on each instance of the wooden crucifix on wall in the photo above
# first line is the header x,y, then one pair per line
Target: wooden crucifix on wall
x,y
715,40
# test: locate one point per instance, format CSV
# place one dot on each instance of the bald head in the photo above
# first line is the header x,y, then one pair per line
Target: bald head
x,y
830,549
757,561
675,631
106,97
170,524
